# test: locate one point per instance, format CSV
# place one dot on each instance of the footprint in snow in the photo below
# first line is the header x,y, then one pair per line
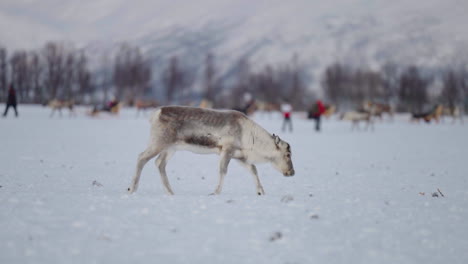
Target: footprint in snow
x,y
96,183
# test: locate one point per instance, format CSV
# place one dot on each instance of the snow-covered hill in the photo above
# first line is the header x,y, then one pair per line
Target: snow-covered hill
x,y
361,32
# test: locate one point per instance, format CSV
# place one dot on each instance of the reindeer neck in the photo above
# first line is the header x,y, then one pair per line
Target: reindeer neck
x,y
259,142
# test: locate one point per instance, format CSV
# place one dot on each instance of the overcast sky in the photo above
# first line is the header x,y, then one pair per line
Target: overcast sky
x,y
30,23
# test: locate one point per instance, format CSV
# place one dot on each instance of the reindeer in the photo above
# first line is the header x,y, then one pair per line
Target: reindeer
x,y
433,114
267,108
329,111
143,105
454,112
57,105
378,109
356,117
229,133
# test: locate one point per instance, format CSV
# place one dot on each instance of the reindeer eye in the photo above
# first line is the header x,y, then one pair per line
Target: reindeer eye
x,y
288,155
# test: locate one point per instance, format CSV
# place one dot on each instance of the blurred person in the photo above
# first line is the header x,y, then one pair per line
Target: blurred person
x,y
286,109
316,113
11,101
110,106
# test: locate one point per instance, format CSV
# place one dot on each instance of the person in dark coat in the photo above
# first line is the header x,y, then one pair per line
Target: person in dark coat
x,y
11,101
316,112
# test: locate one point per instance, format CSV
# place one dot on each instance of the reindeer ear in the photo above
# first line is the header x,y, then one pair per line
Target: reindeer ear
x,y
277,139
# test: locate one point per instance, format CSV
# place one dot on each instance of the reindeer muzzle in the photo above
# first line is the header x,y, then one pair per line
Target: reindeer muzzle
x,y
289,173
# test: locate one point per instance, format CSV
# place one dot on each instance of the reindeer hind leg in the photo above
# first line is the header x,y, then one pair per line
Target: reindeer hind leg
x,y
223,165
161,163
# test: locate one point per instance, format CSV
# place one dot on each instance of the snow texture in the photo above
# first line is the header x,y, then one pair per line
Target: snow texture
x,y
357,196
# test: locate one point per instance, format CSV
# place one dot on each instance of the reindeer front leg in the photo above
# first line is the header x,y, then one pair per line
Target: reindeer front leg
x,y
253,170
223,165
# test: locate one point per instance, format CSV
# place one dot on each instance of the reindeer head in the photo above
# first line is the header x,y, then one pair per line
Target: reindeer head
x,y
281,158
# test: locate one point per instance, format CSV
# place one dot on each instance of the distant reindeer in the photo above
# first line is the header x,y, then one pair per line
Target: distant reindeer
x,y
205,103
357,117
433,114
329,111
378,109
454,112
143,105
267,108
228,133
112,107
57,105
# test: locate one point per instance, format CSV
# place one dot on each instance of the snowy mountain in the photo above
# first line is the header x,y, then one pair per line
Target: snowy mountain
x,y
361,32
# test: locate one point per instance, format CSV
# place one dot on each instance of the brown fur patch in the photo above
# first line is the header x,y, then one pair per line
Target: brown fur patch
x,y
204,141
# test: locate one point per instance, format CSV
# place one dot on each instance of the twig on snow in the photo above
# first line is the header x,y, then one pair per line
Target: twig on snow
x,y
440,192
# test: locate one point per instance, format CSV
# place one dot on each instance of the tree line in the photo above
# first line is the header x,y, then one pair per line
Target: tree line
x,y
408,88
59,71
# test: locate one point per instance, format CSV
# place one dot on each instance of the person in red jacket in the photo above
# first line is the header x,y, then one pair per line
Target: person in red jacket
x,y
317,110
11,101
286,109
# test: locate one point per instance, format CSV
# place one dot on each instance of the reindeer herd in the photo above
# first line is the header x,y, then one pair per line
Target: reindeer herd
x,y
367,113
371,111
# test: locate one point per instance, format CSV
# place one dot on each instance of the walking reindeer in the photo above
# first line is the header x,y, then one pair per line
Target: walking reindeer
x,y
228,133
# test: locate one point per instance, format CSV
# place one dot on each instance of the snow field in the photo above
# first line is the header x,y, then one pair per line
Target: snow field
x,y
357,196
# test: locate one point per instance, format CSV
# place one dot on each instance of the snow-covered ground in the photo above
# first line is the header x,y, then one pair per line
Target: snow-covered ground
x,y
357,196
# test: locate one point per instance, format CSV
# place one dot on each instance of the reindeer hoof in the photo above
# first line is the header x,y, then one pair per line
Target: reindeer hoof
x,y
260,191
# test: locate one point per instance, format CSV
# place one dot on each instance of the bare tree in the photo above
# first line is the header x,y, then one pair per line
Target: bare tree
x,y
269,85
372,86
413,89
105,73
453,88
132,73
350,87
120,75
335,81
390,81
69,76
3,73
83,77
265,85
142,74
242,83
36,70
356,90
175,79
20,74
209,81
54,69
297,85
